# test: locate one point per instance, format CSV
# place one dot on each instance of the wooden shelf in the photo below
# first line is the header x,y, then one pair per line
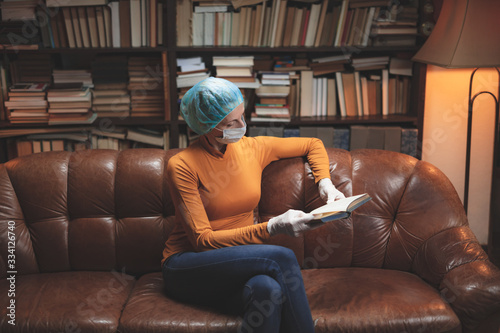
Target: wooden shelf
x,y
222,49
7,125
347,121
133,121
395,119
86,50
129,121
13,132
297,49
342,121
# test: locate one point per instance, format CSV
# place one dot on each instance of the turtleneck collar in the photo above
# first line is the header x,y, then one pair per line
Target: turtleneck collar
x,y
209,148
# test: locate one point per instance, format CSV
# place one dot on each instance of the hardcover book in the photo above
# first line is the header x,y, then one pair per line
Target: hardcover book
x,y
340,209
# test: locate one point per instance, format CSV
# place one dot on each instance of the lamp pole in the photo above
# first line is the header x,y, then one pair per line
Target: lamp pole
x,y
469,133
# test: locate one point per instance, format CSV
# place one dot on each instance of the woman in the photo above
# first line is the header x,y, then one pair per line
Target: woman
x,y
216,254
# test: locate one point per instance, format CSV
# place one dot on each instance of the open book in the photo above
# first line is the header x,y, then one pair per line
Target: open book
x,y
340,209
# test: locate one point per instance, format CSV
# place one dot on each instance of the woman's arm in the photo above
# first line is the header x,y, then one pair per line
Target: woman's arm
x,y
314,150
273,149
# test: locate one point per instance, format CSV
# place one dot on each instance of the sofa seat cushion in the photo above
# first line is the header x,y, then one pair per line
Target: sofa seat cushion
x,y
375,300
341,300
150,310
66,301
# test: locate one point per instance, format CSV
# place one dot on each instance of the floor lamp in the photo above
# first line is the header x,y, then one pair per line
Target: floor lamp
x,y
467,35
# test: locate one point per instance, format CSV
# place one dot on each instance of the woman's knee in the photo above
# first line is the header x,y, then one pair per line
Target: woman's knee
x,y
263,292
281,255
263,286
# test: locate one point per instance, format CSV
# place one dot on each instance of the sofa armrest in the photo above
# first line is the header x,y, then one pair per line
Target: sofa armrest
x,y
454,262
473,291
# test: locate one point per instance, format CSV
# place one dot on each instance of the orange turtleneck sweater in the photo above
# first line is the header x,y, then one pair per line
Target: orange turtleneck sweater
x,y
215,193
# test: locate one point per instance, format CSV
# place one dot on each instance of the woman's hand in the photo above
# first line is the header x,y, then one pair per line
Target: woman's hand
x,y
292,223
328,192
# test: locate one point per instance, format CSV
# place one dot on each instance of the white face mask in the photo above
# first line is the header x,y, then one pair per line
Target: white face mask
x,y
232,135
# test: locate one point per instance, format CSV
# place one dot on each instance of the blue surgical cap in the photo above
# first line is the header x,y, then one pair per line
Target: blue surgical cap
x,y
208,102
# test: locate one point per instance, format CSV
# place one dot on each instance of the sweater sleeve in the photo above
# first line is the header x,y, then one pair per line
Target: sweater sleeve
x,y
183,185
276,148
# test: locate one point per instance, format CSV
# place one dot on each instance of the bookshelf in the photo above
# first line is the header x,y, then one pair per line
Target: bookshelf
x,y
174,47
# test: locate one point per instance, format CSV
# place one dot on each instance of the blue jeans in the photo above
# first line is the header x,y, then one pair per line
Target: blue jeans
x,y
262,282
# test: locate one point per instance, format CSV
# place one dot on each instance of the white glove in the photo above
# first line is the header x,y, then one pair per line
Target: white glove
x,y
328,192
292,223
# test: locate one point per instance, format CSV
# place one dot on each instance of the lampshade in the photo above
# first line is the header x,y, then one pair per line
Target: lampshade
x,y
466,35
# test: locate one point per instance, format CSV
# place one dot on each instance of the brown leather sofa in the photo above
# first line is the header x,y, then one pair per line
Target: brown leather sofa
x,y
89,229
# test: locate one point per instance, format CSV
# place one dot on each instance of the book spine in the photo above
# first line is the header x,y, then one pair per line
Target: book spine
x,y
275,23
117,24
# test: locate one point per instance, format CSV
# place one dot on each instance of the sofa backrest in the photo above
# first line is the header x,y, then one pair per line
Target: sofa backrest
x,y
88,210
109,210
412,201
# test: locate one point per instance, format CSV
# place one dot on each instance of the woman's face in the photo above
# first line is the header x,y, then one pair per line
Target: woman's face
x,y
234,119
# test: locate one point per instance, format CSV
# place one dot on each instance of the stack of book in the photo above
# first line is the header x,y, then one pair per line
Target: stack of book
x,y
109,102
68,141
282,63
145,86
145,22
287,64
372,91
331,64
397,26
370,63
18,10
115,139
352,102
273,104
110,77
70,104
237,69
400,71
211,17
84,26
27,103
361,91
274,78
149,137
317,95
72,76
277,23
291,67
375,88
81,24
190,71
16,16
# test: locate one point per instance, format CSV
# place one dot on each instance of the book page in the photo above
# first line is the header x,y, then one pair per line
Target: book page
x,y
341,205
